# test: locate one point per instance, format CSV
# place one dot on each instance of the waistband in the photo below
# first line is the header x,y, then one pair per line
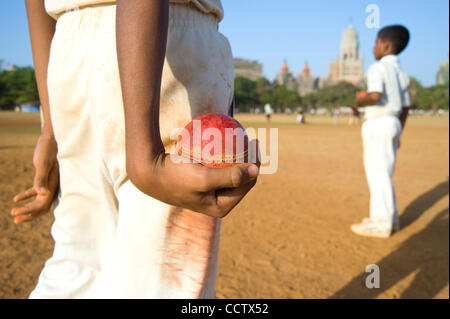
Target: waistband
x,y
180,15
374,112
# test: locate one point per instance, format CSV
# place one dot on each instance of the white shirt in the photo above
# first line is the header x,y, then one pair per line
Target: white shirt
x,y
387,78
56,7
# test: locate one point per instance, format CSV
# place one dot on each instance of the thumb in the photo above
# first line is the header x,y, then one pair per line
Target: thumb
x,y
40,184
232,177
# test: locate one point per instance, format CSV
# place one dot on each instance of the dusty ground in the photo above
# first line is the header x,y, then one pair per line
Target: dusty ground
x,y
290,237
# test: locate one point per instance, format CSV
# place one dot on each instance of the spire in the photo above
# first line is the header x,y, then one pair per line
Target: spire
x,y
306,71
285,67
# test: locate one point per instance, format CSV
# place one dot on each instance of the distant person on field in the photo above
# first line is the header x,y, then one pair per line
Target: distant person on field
x,y
336,113
268,110
387,105
300,116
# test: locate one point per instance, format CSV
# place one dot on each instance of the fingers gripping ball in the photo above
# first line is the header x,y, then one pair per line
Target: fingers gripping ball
x,y
214,140
361,93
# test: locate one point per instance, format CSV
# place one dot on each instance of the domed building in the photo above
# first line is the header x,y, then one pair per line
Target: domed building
x,y
349,64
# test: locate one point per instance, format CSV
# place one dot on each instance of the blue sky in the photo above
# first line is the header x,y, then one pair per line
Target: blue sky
x,y
296,30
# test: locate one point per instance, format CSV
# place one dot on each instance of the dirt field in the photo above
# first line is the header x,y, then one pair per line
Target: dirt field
x,y
290,237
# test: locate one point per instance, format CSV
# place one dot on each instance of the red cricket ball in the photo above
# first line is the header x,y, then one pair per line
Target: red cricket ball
x,y
361,93
214,140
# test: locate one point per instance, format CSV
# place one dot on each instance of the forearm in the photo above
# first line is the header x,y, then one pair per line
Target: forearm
x,y
141,35
42,28
370,99
404,115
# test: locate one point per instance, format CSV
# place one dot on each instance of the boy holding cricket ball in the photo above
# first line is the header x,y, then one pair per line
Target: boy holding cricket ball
x,y
115,78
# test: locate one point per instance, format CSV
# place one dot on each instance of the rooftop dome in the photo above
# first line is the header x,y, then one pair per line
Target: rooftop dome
x,y
349,37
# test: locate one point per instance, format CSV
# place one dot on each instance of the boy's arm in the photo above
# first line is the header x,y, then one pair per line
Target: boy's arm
x,y
46,177
406,100
370,98
404,115
41,27
375,83
141,34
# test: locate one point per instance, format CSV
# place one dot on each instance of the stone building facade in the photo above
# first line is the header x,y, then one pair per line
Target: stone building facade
x,y
306,82
303,84
285,77
349,65
248,69
442,75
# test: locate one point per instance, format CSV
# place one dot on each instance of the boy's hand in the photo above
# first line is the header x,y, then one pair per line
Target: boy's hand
x,y
358,100
141,35
359,96
211,191
367,98
45,184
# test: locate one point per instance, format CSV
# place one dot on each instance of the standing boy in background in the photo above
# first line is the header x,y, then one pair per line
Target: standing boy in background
x,y
387,105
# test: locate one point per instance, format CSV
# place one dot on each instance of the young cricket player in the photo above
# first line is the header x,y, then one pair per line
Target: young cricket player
x,y
114,78
387,105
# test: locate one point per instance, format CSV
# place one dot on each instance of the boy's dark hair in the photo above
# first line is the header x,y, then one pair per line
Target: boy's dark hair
x,y
398,35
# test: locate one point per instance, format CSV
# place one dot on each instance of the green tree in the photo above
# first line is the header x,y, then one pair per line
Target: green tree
x,y
438,97
416,91
428,98
286,98
245,93
17,87
250,94
340,94
309,100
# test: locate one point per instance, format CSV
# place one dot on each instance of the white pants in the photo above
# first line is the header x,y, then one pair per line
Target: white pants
x,y
111,240
380,141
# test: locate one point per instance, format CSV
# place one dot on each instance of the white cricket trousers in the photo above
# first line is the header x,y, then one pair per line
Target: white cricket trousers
x,y
111,240
380,141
